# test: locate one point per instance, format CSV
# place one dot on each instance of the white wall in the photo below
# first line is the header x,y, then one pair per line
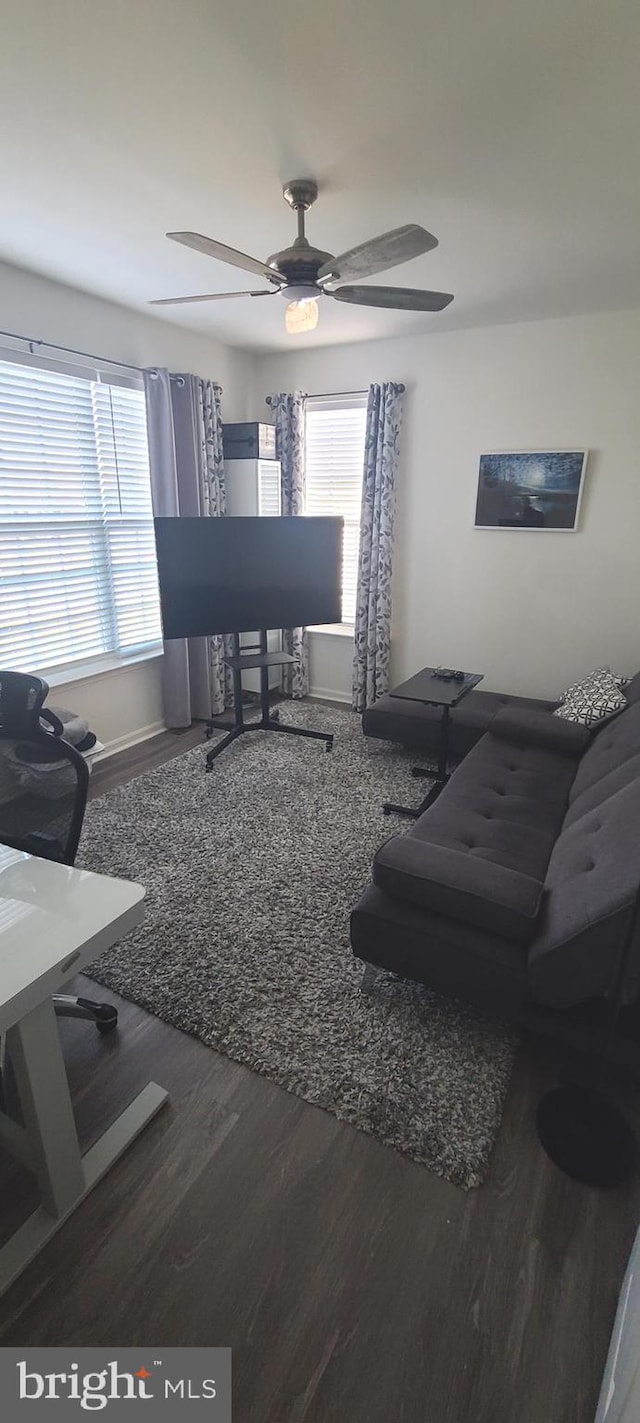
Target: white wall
x,y
330,665
124,704
530,610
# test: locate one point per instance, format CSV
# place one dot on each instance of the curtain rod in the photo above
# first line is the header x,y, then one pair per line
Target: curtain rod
x,y
331,394
32,341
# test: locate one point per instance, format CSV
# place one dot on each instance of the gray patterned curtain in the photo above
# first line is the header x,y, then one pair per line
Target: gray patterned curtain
x,y
289,419
377,519
187,478
215,506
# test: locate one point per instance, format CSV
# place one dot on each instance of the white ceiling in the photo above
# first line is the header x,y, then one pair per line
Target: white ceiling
x,y
510,128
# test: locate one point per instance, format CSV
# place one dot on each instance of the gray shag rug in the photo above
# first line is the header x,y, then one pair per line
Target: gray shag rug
x,y
250,874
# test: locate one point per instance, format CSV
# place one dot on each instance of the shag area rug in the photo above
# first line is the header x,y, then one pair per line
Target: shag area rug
x,y
250,873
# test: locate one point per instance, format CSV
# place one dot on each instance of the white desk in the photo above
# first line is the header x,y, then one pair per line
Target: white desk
x,y
53,922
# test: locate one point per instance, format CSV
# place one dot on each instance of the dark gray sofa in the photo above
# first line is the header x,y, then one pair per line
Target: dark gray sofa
x,y
514,888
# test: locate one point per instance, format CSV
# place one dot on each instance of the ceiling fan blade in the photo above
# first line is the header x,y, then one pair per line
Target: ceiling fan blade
x,y
398,298
211,248
213,296
388,250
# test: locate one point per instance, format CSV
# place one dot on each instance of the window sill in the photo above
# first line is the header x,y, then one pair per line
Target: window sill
x,y
102,667
333,629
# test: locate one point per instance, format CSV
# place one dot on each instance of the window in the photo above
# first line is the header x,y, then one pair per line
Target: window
x,y
335,431
77,550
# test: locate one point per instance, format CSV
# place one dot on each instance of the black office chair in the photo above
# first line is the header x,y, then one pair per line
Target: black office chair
x,y
44,783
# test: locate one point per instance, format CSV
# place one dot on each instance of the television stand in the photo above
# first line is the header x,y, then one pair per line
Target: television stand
x,y
269,721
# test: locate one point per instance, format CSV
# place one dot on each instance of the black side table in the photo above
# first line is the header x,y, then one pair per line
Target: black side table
x,y
432,691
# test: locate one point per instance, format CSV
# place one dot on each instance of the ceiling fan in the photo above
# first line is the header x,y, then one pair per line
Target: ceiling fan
x,y
301,273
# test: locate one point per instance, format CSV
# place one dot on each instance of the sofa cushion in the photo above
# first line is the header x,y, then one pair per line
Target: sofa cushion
x,y
526,726
459,884
504,804
590,890
528,784
501,830
602,789
613,745
419,726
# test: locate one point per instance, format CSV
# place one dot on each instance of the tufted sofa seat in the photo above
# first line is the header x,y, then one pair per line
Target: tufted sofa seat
x,y
515,887
418,726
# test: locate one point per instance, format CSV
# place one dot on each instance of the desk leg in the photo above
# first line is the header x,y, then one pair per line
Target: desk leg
x,y
50,1142
36,1057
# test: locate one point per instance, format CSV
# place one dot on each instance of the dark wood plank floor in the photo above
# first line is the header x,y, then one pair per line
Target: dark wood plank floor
x,y
353,1285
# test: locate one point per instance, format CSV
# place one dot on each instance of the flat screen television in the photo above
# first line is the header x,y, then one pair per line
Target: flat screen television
x,y
247,574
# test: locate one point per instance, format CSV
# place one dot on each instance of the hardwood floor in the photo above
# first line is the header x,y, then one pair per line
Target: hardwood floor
x,y
352,1285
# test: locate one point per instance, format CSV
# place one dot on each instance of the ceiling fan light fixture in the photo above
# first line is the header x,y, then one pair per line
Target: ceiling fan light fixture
x,y
301,316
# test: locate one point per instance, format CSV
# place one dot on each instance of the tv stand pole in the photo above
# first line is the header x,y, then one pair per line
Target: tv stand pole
x,y
269,720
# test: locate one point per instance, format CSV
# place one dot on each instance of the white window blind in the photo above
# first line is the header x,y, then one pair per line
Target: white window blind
x,y
269,502
77,549
334,456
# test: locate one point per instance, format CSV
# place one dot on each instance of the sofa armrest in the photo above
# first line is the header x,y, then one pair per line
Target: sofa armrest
x,y
525,726
459,885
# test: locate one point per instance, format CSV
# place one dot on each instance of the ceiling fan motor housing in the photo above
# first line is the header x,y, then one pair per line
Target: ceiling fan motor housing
x,y
299,265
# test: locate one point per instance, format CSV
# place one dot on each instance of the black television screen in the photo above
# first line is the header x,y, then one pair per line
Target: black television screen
x,y
246,574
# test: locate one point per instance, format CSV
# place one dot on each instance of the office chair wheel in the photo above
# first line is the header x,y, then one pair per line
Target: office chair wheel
x,y
106,1018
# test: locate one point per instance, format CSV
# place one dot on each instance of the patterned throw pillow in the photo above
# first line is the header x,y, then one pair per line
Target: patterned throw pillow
x,y
594,699
584,684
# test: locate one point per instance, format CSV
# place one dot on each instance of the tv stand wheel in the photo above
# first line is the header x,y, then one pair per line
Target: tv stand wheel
x,y
275,714
329,745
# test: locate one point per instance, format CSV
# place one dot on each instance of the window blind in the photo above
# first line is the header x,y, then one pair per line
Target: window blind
x,y
77,550
269,501
334,456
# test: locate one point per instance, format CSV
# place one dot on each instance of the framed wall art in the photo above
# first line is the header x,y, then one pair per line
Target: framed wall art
x,y
530,489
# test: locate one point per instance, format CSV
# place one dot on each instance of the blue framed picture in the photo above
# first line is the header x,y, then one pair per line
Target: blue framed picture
x,y
531,489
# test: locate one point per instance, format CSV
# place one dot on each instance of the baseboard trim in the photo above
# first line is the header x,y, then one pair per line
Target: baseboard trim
x,y
131,738
328,695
